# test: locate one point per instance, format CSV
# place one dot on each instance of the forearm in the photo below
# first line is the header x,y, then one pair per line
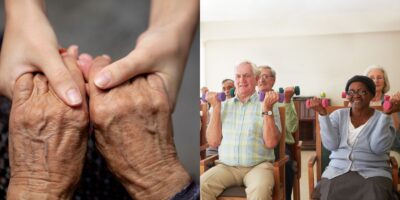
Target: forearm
x,y
383,135
182,14
20,8
329,135
291,119
271,133
214,129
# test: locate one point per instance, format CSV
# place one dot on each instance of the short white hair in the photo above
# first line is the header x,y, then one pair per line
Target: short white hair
x,y
273,73
254,68
386,87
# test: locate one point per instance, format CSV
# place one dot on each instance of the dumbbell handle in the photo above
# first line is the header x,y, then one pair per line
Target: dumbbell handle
x,y
261,97
324,102
220,97
296,90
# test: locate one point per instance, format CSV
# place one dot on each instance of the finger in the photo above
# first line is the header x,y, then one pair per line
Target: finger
x,y
122,70
84,62
98,64
61,80
40,84
23,88
70,60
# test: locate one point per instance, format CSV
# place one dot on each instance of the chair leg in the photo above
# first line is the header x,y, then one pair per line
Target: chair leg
x,y
296,188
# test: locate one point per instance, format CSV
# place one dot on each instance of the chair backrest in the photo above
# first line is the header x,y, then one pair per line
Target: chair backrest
x,y
282,142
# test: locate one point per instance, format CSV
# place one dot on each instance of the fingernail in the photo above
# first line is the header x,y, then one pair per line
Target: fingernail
x,y
106,56
103,79
73,50
74,96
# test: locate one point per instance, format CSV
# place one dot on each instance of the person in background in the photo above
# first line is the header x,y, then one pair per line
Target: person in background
x,y
227,85
379,76
265,84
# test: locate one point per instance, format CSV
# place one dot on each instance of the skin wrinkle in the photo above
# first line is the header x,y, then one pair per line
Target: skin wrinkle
x,y
46,134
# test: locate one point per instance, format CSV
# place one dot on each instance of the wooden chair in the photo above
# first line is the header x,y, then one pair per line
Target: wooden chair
x,y
296,151
238,193
321,158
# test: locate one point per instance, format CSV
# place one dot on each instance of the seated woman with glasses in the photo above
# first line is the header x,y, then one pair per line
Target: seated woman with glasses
x,y
359,138
379,76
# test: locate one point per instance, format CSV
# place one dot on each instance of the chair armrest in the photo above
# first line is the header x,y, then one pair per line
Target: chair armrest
x,y
281,161
311,162
395,171
205,163
298,158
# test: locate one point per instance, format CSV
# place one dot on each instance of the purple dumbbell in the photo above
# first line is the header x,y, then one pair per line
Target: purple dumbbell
x,y
261,96
220,96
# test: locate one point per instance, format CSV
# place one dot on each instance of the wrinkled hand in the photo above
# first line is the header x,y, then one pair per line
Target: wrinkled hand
x,y
30,45
48,139
270,99
133,131
316,104
395,100
289,92
212,98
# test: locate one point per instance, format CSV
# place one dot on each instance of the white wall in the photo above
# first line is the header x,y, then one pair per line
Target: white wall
x,y
315,63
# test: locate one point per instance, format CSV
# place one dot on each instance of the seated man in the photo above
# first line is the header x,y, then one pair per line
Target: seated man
x,y
48,139
265,84
227,85
246,132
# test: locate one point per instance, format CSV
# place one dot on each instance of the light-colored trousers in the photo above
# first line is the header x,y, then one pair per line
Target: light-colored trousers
x,y
258,180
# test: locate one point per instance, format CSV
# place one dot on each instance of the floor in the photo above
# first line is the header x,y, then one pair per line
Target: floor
x,y
305,155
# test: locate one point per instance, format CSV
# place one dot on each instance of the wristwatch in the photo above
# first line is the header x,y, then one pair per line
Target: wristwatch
x,y
269,113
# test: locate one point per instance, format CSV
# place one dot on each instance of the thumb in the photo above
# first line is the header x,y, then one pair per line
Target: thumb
x,y
124,69
61,80
98,64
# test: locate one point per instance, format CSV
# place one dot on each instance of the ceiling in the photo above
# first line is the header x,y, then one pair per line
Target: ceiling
x,y
236,19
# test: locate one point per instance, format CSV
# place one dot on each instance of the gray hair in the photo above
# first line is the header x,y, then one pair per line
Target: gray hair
x,y
386,87
254,68
273,73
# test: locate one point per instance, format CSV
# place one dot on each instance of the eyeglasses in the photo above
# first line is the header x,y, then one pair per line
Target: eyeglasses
x,y
379,78
264,76
359,92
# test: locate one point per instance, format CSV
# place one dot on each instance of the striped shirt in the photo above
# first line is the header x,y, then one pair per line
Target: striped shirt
x,y
242,133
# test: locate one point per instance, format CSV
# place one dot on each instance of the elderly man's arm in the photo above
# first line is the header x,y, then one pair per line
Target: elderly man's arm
x,y
271,134
214,128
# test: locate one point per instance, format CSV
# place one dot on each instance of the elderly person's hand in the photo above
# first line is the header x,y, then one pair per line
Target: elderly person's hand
x,y
395,101
316,104
212,98
133,131
289,92
48,138
270,99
